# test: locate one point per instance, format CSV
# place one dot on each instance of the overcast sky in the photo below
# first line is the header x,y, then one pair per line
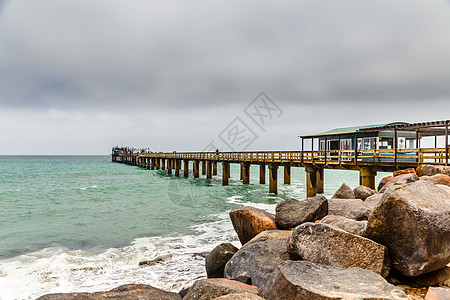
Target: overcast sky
x,y
80,76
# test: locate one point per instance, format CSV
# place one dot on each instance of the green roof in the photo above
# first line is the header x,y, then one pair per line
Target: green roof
x,y
348,130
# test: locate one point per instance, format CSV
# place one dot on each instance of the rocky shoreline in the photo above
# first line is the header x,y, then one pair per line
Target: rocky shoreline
x,y
393,243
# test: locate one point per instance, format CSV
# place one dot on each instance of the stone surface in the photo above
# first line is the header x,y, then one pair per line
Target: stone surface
x,y
403,172
290,213
373,200
240,296
217,259
349,225
249,221
436,293
128,292
362,192
436,278
427,170
438,179
383,181
400,180
354,209
328,245
306,280
260,257
344,192
206,289
444,188
412,220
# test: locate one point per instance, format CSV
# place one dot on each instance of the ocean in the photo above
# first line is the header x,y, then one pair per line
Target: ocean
x,y
85,224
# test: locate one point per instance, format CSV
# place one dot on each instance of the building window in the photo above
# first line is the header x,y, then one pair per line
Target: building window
x,y
386,143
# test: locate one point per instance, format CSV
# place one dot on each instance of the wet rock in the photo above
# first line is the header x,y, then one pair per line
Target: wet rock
x,y
206,289
249,221
217,259
373,200
436,278
400,180
307,280
240,296
344,192
128,292
291,212
384,181
362,192
427,170
349,225
412,220
354,209
403,172
329,245
440,179
436,293
260,257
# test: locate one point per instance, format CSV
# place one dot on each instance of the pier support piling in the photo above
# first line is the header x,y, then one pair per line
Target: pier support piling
x,y
214,168
367,175
196,168
245,173
262,174
203,167
208,169
186,168
311,180
273,178
177,167
287,174
163,164
169,166
225,172
319,181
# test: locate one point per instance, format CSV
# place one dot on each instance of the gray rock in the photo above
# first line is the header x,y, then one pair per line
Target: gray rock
x,y
260,257
349,225
240,296
350,208
306,280
249,221
400,180
436,278
412,220
324,244
362,192
444,187
373,200
290,213
437,293
126,292
217,259
206,289
344,192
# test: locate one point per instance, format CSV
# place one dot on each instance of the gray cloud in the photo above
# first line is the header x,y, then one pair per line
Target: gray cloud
x,y
199,63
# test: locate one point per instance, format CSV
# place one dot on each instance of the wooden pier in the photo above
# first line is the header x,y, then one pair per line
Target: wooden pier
x,y
367,162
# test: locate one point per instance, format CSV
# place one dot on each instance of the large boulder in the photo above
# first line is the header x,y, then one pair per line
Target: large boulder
x,y
128,292
290,213
400,180
260,257
307,280
362,192
373,200
440,277
436,293
383,181
350,208
349,225
427,170
206,289
440,179
344,192
403,172
328,245
249,221
240,296
412,220
445,188
217,259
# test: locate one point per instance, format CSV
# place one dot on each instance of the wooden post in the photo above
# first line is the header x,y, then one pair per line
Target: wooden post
x,y
302,150
203,167
367,175
196,167
177,167
208,169
169,166
241,176
326,147
153,161
311,180
395,146
163,164
319,181
214,168
446,143
356,149
245,173
262,174
225,172
287,174
186,168
273,179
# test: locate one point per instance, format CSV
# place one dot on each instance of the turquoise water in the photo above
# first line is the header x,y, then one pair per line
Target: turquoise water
x,y
88,222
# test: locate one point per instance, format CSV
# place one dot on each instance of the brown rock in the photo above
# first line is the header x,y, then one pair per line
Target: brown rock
x,y
344,192
260,257
354,209
384,181
373,200
436,293
403,172
437,179
249,221
437,278
206,289
217,259
240,296
400,180
412,220
290,213
427,170
362,192
349,225
329,245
